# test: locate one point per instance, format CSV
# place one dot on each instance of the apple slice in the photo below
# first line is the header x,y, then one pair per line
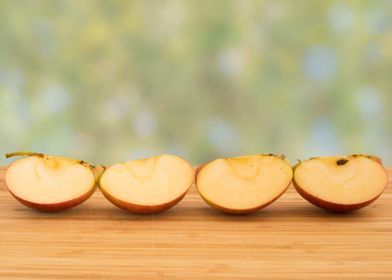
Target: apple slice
x,y
243,184
147,186
49,183
340,183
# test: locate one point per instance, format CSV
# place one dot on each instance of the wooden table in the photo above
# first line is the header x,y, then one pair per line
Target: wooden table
x,y
290,239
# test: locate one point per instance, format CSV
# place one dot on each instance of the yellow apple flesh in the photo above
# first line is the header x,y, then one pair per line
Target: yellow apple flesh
x,y
340,183
147,186
243,184
49,183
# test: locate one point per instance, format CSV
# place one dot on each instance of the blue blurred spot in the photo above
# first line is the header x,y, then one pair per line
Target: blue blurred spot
x,y
369,102
323,139
319,63
340,18
144,123
231,62
378,21
13,79
55,98
117,108
222,136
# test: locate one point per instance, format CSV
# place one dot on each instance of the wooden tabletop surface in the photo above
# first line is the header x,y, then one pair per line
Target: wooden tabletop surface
x,y
290,239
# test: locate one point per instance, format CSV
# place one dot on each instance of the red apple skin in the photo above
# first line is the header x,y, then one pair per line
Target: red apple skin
x,y
142,209
198,168
334,207
55,207
241,211
330,206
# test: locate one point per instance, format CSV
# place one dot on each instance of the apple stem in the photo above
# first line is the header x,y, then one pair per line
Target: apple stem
x,y
14,154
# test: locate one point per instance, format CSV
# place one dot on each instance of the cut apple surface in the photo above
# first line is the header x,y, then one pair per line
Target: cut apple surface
x,y
340,183
49,183
149,185
243,184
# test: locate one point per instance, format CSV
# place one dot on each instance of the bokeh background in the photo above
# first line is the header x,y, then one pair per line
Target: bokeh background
x,y
108,81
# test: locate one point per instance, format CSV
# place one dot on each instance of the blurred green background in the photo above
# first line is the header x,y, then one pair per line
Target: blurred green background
x,y
108,81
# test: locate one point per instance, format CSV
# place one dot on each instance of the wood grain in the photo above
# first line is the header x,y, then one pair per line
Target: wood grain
x,y
290,239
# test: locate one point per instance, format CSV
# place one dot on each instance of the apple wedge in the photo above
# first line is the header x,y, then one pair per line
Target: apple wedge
x,y
243,184
49,183
340,183
147,186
